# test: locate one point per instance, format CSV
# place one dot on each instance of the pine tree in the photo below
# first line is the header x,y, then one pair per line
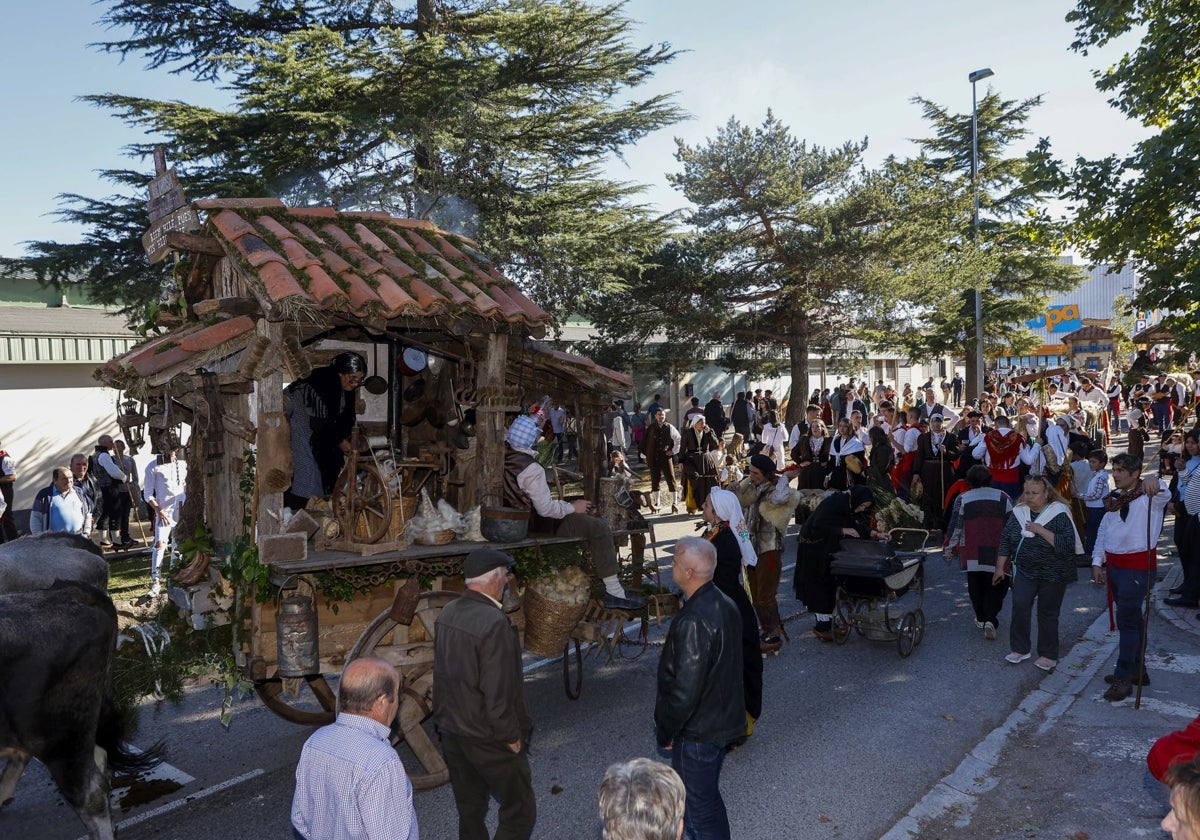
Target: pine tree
x,y
491,118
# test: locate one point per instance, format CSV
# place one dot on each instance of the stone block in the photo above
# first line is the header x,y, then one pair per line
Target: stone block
x,y
281,548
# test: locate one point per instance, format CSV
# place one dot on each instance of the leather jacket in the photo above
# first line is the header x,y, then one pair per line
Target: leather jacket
x,y
477,669
700,695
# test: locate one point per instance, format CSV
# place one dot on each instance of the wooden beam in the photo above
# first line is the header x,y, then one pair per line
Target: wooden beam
x,y
489,426
195,243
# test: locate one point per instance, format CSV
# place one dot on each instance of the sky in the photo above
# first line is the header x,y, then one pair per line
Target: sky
x,y
831,71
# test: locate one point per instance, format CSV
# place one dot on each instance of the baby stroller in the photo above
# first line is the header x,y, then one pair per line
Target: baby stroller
x,y
871,577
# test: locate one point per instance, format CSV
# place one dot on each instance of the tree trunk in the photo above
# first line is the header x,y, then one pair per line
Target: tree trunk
x,y
798,351
969,390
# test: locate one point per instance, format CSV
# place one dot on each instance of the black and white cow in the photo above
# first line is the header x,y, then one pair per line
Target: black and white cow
x,y
56,655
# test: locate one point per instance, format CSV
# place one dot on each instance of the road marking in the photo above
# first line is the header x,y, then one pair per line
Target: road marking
x,y
1164,707
187,800
1180,663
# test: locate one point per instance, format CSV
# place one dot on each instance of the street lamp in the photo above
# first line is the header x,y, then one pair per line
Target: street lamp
x,y
973,78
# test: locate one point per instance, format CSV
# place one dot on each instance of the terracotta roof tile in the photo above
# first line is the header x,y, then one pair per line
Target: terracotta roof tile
x,y
371,265
214,335
151,363
221,203
279,281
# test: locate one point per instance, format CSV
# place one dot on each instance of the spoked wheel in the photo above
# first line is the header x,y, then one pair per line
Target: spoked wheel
x,y
270,691
410,649
362,504
860,610
906,634
841,621
573,691
920,619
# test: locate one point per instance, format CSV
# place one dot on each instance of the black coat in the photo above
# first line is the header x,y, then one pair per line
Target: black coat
x,y
700,693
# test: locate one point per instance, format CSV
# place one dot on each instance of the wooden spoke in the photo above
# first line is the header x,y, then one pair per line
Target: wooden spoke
x,y
270,691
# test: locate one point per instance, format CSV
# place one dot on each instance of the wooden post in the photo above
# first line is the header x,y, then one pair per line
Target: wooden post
x,y
489,426
269,402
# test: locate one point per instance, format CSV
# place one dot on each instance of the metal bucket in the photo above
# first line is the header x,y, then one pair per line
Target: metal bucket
x,y
296,637
504,524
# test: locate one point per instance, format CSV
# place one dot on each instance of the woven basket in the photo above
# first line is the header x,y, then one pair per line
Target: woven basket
x,y
435,537
548,623
403,509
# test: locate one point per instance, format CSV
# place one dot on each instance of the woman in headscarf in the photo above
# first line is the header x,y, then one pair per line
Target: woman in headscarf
x,y
773,437
848,456
320,409
1037,548
699,472
729,534
845,514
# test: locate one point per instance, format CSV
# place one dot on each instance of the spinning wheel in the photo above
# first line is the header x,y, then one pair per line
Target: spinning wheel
x,y
362,502
410,649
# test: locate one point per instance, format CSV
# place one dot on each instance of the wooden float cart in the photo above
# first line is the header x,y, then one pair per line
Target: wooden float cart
x,y
267,293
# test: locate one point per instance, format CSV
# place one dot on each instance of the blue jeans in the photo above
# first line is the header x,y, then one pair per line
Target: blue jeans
x,y
1129,597
698,763
1094,516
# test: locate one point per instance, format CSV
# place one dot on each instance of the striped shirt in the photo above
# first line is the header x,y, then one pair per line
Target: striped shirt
x,y
350,785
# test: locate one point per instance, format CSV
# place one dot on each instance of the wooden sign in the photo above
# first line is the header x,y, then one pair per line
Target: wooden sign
x,y
154,241
167,209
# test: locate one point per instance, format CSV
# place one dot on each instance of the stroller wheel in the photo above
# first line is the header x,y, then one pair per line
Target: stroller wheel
x,y
919,615
906,634
841,622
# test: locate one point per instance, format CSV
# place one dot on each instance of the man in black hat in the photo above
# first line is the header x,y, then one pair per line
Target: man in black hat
x,y
479,704
1160,405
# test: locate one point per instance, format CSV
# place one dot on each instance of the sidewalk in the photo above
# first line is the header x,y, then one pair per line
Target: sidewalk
x,y
1066,763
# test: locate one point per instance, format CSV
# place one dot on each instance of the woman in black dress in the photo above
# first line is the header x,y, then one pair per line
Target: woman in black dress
x,y
811,454
845,514
728,533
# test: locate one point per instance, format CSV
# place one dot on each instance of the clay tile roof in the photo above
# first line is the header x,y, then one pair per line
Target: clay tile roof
x,y
366,264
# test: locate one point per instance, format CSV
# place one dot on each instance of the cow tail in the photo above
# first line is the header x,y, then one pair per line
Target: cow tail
x,y
112,731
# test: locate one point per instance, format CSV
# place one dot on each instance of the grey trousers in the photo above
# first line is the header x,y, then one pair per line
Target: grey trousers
x,y
1049,597
599,538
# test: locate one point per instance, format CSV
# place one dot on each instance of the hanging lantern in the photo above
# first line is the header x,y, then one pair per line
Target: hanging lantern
x,y
131,422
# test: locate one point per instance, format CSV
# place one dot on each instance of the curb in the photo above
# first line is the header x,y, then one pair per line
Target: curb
x,y
959,791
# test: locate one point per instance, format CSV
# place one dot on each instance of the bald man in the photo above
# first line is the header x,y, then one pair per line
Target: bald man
x,y
350,784
700,706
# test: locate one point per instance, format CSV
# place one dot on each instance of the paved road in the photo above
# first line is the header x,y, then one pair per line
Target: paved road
x,y
851,737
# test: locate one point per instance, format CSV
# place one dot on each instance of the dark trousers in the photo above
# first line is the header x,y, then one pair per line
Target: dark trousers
x,y
110,507
561,440
662,469
599,538
479,770
698,763
1094,516
987,599
1049,597
8,528
1187,539
1161,412
1129,596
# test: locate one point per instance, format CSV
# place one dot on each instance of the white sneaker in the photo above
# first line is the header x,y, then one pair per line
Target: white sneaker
x,y
989,631
155,589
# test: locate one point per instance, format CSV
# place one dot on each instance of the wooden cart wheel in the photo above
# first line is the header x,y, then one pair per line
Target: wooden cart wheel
x,y
362,504
270,691
841,620
906,634
410,649
572,692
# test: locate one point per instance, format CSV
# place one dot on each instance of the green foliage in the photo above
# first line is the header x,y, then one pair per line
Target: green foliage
x,y
241,566
1141,208
1016,261
489,116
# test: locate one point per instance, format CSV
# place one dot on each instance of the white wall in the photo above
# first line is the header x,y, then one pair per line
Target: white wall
x,y
47,413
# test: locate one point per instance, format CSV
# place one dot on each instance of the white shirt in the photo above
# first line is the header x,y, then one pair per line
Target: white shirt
x,y
1094,396
165,483
105,461
1056,439
1117,536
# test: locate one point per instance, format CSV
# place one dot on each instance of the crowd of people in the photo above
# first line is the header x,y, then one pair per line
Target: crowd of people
x,y
97,496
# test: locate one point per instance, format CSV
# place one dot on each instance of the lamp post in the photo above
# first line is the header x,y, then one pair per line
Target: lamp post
x,y
979,357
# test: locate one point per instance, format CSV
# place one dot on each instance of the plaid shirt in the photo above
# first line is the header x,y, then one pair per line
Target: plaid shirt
x,y
350,785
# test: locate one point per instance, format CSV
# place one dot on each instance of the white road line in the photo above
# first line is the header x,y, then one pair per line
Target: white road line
x,y
187,800
1164,707
1180,663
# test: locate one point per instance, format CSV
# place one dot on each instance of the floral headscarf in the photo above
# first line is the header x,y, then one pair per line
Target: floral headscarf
x,y
726,507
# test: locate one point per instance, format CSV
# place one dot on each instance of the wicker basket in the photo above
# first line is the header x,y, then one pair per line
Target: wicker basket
x,y
403,509
548,623
435,537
